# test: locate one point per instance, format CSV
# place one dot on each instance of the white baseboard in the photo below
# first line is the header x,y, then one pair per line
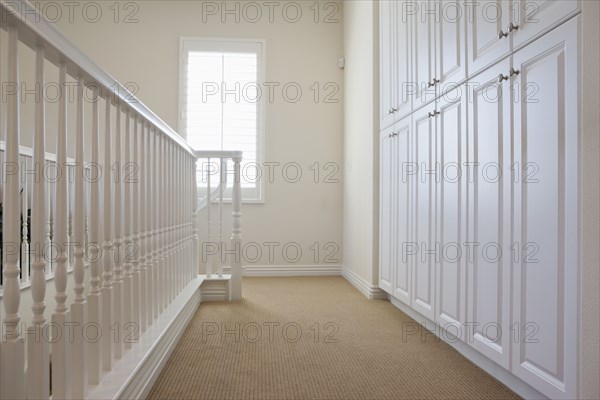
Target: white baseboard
x,y
215,288
290,270
515,384
134,375
371,292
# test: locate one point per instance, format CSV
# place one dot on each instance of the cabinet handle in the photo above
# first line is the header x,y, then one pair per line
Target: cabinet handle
x,y
433,114
394,110
502,78
433,82
390,111
514,72
391,135
502,35
513,27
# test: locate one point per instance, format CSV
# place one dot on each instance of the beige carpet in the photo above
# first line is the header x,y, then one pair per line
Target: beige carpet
x,y
319,339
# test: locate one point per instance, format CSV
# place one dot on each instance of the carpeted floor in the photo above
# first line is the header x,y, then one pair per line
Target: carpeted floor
x,y
314,338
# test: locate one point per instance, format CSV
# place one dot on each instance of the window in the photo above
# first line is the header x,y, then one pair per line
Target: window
x,y
221,103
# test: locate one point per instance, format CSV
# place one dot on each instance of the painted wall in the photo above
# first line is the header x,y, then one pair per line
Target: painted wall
x,y
300,223
361,139
302,48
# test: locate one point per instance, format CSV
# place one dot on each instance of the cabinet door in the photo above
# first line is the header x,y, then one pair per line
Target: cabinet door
x,y
386,210
423,274
423,45
403,60
405,170
451,218
546,147
450,41
488,269
386,50
533,17
484,46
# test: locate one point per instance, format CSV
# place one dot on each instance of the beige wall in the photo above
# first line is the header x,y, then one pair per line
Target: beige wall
x,y
361,139
306,132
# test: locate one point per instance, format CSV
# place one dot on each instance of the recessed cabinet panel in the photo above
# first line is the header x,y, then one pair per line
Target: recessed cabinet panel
x,y
450,263
423,275
546,227
423,53
405,169
450,41
404,87
386,50
386,210
533,17
488,269
487,39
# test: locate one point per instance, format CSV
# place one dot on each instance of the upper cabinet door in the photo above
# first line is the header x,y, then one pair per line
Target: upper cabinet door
x,y
403,179
424,17
423,254
450,41
386,72
546,263
403,60
489,191
487,39
451,203
533,17
386,210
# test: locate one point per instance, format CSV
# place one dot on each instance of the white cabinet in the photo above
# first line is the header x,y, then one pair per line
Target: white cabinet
x,y
403,73
396,87
533,17
423,54
480,184
487,39
489,214
546,214
450,43
451,209
386,209
387,53
404,180
424,201
395,166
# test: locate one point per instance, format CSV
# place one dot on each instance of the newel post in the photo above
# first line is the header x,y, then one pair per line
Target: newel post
x,y
236,231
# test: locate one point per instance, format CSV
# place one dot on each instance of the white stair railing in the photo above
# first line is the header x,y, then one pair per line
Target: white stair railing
x,y
216,195
122,225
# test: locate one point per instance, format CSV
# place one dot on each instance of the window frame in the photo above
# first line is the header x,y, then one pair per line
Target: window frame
x,y
190,43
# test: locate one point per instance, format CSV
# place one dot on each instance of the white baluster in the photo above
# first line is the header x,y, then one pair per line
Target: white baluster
x,y
208,207
143,224
161,225
118,281
12,349
94,299
195,218
150,224
222,170
135,251
155,218
25,231
171,211
71,194
38,352
128,243
107,246
79,306
180,225
61,356
236,232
